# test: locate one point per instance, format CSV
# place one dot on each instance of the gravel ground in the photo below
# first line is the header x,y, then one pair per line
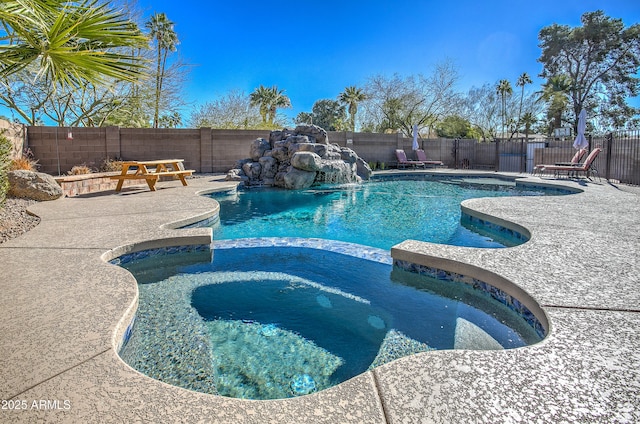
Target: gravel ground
x,y
14,218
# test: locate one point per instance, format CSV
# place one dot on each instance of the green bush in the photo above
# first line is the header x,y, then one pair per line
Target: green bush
x,y
5,162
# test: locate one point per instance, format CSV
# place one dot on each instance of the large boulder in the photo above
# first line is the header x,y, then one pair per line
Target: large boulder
x,y
336,172
236,175
297,179
33,185
280,153
306,161
313,132
269,167
252,170
317,148
348,155
363,169
258,148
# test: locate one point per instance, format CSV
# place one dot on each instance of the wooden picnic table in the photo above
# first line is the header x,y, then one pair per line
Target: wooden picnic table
x,y
151,171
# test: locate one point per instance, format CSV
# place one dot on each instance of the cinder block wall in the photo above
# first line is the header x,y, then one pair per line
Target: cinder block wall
x,y
203,149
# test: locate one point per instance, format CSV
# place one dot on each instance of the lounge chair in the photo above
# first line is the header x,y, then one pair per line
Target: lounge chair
x,y
422,157
586,167
403,161
575,161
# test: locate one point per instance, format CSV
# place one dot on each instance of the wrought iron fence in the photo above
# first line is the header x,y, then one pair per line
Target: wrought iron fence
x,y
621,160
618,162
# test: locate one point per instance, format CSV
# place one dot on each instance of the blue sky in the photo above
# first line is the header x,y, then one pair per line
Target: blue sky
x,y
313,50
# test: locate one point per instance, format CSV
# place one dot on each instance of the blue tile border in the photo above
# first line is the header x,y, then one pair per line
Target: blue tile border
x,y
204,223
350,249
516,236
495,293
134,256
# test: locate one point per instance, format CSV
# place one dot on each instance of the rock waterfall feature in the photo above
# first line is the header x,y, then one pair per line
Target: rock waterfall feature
x,y
298,159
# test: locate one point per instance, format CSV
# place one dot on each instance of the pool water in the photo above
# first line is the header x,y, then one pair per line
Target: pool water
x,y
267,323
379,214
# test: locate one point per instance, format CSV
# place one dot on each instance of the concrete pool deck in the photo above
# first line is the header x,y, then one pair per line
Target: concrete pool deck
x,y
63,310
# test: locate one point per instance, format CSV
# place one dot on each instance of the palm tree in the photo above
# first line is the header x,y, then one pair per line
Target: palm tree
x,y
556,93
503,89
261,97
278,100
528,119
161,31
351,96
70,43
269,100
523,80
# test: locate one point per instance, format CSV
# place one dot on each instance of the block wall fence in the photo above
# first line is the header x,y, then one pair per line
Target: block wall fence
x,y
203,149
216,151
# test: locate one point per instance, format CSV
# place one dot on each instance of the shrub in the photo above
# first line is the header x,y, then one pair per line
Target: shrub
x,y
26,162
110,165
80,170
5,161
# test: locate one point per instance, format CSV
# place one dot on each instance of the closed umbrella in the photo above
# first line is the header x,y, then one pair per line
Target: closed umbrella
x,y
581,141
415,138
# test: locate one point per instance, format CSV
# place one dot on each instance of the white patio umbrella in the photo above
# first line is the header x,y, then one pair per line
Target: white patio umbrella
x,y
415,145
581,141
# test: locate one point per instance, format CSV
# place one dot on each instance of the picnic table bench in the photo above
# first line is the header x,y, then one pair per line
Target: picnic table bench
x,y
151,171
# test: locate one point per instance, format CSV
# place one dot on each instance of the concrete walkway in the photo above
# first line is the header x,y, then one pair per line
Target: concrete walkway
x,y
63,310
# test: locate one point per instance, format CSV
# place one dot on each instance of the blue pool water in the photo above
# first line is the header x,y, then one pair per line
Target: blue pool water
x,y
264,323
288,320
379,214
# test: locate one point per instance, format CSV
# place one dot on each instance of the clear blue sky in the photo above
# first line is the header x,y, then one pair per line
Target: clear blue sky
x,y
313,50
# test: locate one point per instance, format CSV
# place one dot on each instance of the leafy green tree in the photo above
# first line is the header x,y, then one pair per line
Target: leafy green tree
x,y
166,40
329,114
504,90
454,126
601,58
351,97
68,43
171,120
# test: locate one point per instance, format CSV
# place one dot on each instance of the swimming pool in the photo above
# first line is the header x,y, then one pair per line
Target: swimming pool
x,y
286,305
379,213
276,322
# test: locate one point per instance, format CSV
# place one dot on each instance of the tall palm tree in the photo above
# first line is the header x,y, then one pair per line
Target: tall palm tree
x,y
269,100
503,89
523,80
161,31
278,100
70,43
528,119
556,93
261,97
351,96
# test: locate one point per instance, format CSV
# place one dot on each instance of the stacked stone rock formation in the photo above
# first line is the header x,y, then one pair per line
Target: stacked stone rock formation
x,y
297,159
